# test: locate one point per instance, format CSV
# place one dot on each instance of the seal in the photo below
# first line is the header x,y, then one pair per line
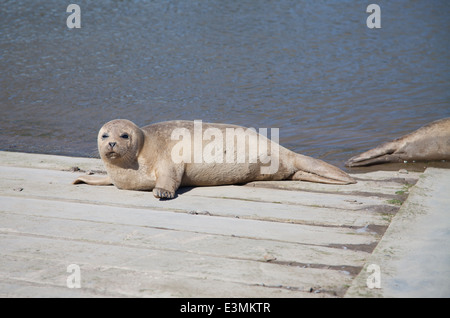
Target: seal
x,y
164,156
428,143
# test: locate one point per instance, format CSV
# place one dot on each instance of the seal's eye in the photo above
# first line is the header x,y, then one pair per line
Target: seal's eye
x,y
104,136
124,136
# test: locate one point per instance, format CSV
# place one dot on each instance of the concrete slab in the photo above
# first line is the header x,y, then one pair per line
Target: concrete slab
x,y
414,254
264,239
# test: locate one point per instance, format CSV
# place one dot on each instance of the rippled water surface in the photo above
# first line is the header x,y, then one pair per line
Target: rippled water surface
x,y
312,69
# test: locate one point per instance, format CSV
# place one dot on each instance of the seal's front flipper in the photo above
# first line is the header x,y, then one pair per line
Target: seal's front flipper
x,y
93,180
163,194
168,179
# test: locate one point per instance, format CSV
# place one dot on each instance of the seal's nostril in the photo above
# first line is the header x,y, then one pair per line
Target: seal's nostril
x,y
112,144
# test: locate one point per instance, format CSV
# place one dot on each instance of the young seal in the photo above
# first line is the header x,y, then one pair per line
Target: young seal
x,y
155,157
428,143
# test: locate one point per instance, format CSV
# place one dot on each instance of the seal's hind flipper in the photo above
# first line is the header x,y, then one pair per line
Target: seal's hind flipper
x,y
315,170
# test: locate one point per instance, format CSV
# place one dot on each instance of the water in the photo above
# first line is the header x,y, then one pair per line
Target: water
x,y
313,69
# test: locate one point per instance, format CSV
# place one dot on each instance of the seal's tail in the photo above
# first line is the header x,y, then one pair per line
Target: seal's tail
x,y
315,170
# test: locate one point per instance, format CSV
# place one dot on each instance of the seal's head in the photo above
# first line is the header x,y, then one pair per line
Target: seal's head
x,y
120,141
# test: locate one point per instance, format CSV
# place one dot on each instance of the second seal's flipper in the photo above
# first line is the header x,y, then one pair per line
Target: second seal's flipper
x,y
380,154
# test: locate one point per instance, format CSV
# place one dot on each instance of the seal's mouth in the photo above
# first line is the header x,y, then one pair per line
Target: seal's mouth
x,y
112,155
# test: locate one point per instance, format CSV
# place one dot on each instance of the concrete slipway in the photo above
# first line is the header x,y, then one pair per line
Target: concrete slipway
x,y
264,239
